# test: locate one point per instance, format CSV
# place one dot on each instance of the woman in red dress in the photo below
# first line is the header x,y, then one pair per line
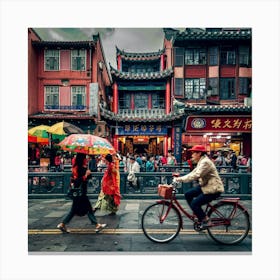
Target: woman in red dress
x,y
110,198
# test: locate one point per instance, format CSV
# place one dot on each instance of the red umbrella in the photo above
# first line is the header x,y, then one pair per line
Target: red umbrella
x,y
87,144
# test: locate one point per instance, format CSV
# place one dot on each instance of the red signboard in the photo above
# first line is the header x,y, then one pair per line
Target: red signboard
x,y
219,124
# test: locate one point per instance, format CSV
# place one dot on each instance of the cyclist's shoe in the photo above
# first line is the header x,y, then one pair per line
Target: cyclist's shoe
x,y
205,224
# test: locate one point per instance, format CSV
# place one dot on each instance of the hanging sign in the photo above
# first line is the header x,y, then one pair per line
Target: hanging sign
x,y
142,129
219,124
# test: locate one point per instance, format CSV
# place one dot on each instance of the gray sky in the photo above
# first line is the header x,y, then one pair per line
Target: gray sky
x,y
127,39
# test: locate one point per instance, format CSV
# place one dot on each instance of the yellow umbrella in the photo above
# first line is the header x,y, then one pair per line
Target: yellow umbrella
x,y
64,128
39,131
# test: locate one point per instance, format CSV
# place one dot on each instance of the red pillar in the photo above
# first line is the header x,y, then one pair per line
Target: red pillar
x,y
119,62
165,145
167,97
162,62
115,98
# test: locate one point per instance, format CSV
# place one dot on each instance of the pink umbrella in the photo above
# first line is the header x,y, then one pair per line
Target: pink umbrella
x,y
87,144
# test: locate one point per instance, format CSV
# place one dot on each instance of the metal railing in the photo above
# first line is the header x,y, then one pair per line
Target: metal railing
x,y
55,184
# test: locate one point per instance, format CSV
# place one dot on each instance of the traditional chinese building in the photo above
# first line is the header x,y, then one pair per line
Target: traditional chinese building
x,y
67,81
213,78
140,118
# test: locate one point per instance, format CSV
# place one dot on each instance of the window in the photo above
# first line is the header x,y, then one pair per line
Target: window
x,y
52,97
157,101
227,56
245,86
78,97
141,101
124,101
179,87
213,86
179,56
78,60
195,88
51,60
244,56
213,56
227,88
195,56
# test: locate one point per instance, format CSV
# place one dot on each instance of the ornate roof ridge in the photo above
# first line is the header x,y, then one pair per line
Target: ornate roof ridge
x,y
214,34
218,108
63,43
141,76
138,55
120,118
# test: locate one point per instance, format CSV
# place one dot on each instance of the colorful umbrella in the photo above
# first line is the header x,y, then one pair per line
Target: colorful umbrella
x,y
64,128
87,144
36,139
39,131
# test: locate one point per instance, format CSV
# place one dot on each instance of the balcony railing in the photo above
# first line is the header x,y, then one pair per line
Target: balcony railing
x,y
65,107
142,113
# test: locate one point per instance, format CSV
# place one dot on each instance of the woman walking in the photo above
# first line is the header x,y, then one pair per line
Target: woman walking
x,y
81,204
109,198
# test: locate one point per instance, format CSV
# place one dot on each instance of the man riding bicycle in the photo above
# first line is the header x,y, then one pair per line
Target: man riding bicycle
x,y
210,184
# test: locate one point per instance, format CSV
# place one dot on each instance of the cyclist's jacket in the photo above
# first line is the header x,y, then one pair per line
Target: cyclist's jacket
x,y
207,175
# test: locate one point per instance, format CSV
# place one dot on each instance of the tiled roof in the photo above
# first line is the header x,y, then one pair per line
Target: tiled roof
x,y
63,44
141,76
207,34
129,118
61,116
214,35
139,56
217,108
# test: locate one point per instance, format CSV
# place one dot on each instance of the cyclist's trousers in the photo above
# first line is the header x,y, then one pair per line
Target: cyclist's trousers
x,y
196,198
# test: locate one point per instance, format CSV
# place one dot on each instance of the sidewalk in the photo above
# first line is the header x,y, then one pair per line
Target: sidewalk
x,y
46,214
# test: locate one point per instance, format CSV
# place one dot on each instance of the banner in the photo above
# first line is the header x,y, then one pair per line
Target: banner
x,y
219,124
141,129
93,99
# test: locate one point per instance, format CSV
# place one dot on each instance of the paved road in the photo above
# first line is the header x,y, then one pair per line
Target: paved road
x,y
123,234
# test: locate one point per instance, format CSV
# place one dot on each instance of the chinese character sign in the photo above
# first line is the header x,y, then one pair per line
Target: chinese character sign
x,y
219,124
142,129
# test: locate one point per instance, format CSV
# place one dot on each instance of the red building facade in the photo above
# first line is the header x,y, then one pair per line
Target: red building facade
x,y
67,81
213,79
141,119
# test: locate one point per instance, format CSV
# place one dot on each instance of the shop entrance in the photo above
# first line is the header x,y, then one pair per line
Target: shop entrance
x,y
149,145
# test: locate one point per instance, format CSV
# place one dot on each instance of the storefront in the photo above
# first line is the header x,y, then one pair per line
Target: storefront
x,y
218,133
142,138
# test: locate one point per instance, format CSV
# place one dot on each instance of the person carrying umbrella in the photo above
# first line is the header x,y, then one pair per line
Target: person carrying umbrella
x,y
81,204
110,198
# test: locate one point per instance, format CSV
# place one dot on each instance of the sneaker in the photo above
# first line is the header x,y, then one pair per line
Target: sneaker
x,y
205,224
99,227
62,227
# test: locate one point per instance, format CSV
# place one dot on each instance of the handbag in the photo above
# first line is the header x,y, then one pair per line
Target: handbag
x,y
74,192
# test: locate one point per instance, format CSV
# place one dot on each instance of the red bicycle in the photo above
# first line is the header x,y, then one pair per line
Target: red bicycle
x,y
162,221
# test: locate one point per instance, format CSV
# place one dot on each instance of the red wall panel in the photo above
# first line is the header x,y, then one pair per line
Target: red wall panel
x,y
198,71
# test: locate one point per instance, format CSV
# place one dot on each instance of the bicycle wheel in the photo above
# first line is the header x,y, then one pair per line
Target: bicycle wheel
x,y
160,222
231,223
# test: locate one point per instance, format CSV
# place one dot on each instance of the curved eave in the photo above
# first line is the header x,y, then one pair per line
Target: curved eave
x,y
61,116
218,108
139,56
141,76
63,44
214,35
108,115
